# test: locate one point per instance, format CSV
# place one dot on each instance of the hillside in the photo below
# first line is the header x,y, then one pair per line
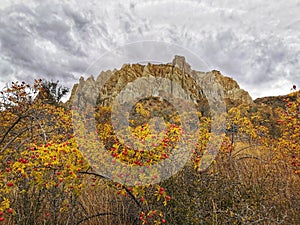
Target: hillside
x,y
208,91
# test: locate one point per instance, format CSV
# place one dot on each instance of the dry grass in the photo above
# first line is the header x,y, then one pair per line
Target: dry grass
x,y
103,201
233,191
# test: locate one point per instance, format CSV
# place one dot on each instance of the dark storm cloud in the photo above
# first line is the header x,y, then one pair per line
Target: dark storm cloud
x,y
256,44
42,41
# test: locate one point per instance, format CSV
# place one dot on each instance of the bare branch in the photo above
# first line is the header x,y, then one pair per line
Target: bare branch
x,y
9,129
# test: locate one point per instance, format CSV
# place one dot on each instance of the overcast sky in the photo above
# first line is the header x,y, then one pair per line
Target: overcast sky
x,y
254,42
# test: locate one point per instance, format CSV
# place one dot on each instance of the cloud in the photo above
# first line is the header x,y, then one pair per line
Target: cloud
x,y
254,42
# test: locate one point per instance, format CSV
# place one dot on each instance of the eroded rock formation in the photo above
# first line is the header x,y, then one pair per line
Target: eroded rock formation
x,y
206,90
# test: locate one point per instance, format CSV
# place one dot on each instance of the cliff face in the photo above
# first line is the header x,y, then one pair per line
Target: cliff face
x,y
232,93
176,79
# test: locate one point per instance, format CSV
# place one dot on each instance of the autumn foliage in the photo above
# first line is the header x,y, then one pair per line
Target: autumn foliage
x,y
45,178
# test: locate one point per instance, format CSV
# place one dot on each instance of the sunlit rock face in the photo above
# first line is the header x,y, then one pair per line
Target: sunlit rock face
x,y
176,80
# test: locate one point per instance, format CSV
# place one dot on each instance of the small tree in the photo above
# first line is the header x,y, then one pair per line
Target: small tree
x,y
51,92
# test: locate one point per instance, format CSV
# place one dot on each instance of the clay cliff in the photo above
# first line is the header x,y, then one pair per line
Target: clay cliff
x,y
207,90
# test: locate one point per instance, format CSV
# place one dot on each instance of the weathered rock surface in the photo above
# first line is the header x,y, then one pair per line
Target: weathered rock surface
x,y
175,80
